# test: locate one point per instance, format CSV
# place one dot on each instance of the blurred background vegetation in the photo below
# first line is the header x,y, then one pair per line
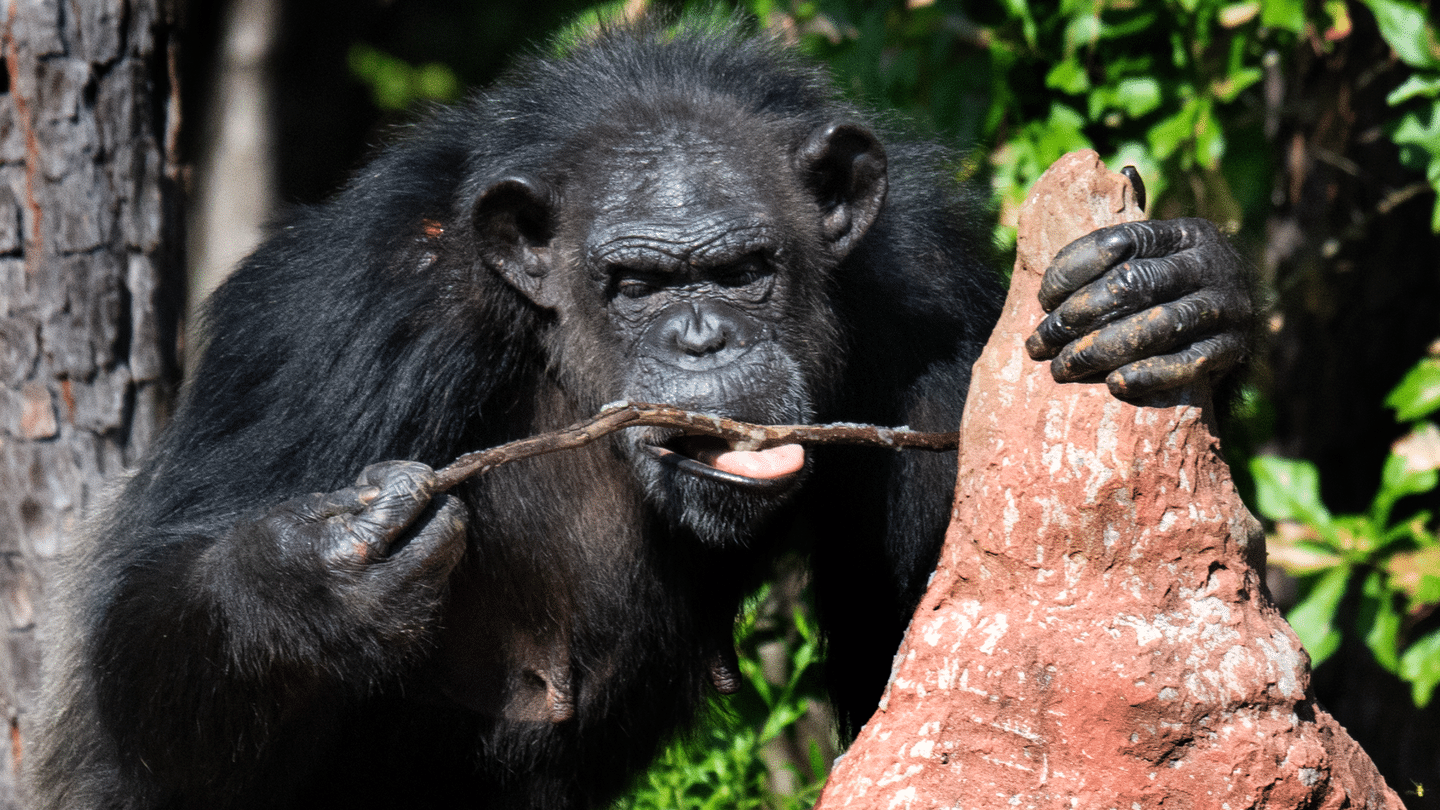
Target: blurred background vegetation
x,y
1309,129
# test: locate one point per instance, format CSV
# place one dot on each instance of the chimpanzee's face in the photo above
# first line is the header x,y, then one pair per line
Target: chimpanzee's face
x,y
690,267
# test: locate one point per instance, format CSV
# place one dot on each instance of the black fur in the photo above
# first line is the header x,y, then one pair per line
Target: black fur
x,y
530,639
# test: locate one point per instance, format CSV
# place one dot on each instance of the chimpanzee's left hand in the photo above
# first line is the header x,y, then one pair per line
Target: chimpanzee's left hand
x,y
1150,305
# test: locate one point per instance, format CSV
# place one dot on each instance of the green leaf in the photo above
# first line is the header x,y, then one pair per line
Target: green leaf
x,y
1379,622
1081,32
1286,14
1062,132
1166,137
1314,617
1136,21
1287,489
1398,479
1403,26
1420,130
1209,137
1420,665
396,84
1068,77
1429,590
1418,85
1418,393
1021,9
436,81
1137,96
1235,83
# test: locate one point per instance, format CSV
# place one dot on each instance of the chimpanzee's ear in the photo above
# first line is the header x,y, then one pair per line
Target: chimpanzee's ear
x,y
844,167
514,223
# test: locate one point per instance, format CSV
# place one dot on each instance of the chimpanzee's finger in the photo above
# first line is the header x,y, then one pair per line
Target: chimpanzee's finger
x,y
1090,256
435,544
405,488
1144,334
1134,286
320,506
1207,358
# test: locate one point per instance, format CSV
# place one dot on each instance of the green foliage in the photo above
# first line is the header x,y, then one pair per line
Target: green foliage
x,y
1417,131
396,84
1382,561
1418,393
724,765
1169,86
1162,86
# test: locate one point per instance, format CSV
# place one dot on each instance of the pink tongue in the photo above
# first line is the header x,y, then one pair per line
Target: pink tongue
x,y
772,463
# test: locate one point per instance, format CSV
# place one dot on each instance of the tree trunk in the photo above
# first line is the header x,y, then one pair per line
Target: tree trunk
x,y
1097,634
90,287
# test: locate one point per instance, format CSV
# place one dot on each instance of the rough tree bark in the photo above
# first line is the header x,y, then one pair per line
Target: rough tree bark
x,y
88,287
1097,634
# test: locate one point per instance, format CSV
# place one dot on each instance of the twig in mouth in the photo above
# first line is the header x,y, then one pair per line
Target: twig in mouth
x,y
641,414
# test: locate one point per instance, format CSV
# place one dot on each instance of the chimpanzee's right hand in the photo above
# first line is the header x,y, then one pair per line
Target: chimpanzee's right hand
x,y
384,547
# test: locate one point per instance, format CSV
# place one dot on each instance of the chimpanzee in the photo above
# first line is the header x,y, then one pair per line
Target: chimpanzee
x,y
686,216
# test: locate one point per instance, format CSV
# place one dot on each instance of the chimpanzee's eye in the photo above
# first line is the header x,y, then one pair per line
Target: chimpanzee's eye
x,y
633,283
747,271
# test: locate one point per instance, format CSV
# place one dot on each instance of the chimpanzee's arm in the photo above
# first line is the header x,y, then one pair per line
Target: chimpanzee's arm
x,y
208,645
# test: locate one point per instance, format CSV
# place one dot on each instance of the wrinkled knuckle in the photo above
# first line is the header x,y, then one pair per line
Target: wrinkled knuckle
x,y
1100,357
408,478
1133,283
1132,382
394,472
1199,312
1118,240
1056,285
1077,361
1054,332
346,552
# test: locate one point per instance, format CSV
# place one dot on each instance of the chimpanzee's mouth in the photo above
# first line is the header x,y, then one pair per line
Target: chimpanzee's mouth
x,y
771,470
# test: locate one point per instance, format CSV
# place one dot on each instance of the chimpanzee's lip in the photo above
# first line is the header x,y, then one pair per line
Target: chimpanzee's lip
x,y
687,453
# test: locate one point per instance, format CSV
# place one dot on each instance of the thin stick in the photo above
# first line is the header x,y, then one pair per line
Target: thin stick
x,y
640,414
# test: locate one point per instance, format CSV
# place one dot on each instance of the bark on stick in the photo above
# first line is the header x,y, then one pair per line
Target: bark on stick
x,y
1097,634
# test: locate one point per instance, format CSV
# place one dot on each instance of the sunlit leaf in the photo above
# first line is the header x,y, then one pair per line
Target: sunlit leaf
x,y
1420,447
1418,393
1379,622
1428,591
1296,548
1286,14
1418,85
1399,478
1137,96
1237,14
1081,32
1416,574
1420,665
1236,82
1068,77
1314,617
1288,489
1403,26
1167,136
